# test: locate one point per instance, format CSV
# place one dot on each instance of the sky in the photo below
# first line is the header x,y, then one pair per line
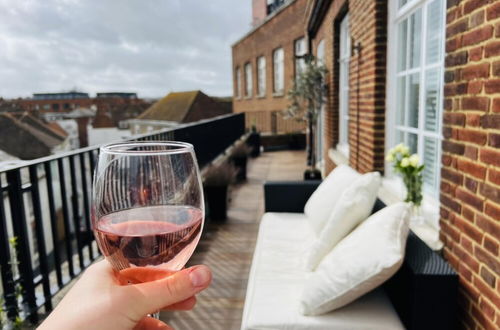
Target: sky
x,y
151,47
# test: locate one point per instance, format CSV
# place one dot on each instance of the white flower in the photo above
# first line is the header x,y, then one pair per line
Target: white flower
x,y
389,157
405,162
399,148
405,150
414,160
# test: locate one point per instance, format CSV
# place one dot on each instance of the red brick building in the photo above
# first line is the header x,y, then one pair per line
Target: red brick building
x,y
111,108
264,66
422,72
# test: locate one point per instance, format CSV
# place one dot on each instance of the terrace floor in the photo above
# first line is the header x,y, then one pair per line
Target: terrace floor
x,y
227,248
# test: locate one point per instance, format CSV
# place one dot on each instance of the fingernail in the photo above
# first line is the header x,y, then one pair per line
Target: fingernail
x,y
199,276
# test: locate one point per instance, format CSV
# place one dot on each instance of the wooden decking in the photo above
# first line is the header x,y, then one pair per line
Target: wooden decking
x,y
228,248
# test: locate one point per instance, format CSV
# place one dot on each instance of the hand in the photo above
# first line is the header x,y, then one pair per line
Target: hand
x,y
97,301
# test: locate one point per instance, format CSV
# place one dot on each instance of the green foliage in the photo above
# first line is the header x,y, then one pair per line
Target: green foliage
x,y
308,93
411,171
14,262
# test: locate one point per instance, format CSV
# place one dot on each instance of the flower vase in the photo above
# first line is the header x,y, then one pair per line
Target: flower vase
x,y
416,216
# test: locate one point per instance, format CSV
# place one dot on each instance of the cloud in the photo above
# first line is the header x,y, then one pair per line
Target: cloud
x,y
151,47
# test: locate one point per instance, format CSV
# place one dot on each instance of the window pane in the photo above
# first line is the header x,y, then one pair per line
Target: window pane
x,y
414,38
400,101
300,50
413,94
434,32
248,79
432,99
402,3
238,82
261,79
279,75
431,162
320,55
402,44
412,142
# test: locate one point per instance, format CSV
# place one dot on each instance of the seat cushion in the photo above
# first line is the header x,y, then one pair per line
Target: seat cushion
x,y
353,206
322,201
361,262
276,281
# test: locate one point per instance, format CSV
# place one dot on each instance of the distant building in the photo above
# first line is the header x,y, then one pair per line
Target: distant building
x,y
26,137
177,108
116,107
56,102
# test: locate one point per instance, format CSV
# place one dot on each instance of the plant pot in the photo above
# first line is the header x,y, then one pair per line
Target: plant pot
x,y
254,142
312,174
241,165
216,197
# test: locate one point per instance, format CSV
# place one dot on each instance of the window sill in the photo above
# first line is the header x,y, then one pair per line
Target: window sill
x,y
338,157
278,94
392,191
261,96
247,97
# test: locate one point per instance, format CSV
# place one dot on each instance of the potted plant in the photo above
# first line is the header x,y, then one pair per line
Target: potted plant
x,y
306,98
216,181
410,169
254,141
239,157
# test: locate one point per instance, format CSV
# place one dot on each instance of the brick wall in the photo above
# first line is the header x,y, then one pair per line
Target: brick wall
x,y
281,30
470,187
367,23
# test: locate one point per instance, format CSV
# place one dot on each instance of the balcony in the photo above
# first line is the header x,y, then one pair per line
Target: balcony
x,y
45,233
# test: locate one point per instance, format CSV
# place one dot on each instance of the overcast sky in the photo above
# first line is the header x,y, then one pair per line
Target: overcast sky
x,y
150,47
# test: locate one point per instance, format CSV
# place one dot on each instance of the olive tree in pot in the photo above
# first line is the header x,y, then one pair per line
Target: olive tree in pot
x,y
216,181
306,98
239,157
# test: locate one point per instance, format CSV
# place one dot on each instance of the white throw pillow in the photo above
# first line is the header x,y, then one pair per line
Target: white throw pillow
x,y
362,261
354,206
323,199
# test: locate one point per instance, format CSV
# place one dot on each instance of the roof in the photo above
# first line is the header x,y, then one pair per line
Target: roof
x,y
173,107
26,137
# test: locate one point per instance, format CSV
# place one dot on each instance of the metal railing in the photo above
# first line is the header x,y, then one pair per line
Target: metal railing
x,y
45,233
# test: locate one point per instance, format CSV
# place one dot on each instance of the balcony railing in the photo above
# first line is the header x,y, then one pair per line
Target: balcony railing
x,y
45,233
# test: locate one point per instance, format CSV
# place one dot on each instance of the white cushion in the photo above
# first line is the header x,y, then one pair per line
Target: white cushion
x,y
276,280
353,206
323,199
362,261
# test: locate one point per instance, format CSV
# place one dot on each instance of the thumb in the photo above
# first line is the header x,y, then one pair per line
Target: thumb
x,y
152,296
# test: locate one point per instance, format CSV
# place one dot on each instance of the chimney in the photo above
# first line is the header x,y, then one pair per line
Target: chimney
x,y
259,11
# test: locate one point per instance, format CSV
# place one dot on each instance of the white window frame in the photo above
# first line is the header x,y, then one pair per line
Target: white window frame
x,y
344,61
279,71
238,82
261,76
248,80
394,183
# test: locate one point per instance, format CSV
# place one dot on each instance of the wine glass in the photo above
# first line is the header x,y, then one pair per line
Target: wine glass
x,y
148,209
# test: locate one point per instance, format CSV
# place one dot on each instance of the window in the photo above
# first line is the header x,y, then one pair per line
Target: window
x,y
238,83
248,80
320,53
279,71
416,83
344,60
300,52
261,76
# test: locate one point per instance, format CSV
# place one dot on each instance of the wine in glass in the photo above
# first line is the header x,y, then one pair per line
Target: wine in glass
x,y
148,208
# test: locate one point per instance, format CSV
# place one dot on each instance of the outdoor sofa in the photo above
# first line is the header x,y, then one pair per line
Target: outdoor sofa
x,y
421,295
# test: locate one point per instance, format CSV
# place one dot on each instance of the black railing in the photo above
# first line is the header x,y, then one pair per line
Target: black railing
x,y
45,233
